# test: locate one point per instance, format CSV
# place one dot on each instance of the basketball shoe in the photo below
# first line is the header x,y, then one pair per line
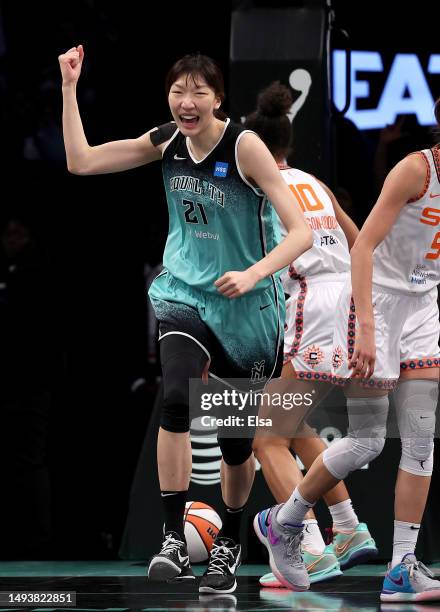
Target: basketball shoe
x,y
320,567
284,546
224,560
410,581
172,563
353,547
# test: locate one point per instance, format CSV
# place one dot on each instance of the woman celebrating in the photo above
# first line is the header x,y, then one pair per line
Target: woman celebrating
x,y
219,306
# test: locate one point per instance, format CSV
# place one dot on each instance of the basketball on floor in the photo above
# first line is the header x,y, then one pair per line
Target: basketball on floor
x,y
202,524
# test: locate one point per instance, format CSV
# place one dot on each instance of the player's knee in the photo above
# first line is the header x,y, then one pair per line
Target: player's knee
x,y
370,449
235,451
175,408
367,418
365,450
416,404
175,417
349,454
182,359
263,446
417,456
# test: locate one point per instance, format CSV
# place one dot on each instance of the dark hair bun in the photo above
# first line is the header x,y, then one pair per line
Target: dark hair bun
x,y
275,100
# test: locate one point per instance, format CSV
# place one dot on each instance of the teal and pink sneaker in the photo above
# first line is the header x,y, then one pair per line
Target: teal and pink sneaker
x,y
320,567
410,581
353,547
284,545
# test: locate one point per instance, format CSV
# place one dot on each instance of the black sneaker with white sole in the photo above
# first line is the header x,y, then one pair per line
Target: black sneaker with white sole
x,y
224,560
172,563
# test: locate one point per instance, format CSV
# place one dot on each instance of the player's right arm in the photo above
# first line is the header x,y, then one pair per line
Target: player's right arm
x,y
347,224
109,157
404,182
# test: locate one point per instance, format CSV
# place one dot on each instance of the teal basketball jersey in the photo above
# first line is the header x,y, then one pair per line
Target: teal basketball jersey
x,y
218,221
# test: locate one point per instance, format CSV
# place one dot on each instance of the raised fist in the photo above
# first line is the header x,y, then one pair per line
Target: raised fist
x,y
70,64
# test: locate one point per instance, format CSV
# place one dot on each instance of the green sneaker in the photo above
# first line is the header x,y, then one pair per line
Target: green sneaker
x,y
320,567
353,547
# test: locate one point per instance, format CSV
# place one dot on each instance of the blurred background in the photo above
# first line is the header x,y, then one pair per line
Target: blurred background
x,y
78,376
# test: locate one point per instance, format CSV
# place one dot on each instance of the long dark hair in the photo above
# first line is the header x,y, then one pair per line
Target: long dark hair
x,y
202,66
270,120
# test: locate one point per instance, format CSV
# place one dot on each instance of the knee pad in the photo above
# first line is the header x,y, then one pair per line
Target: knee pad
x,y
181,359
349,454
365,440
416,404
235,451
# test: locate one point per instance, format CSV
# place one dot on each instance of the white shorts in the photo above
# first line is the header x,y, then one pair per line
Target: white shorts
x,y
310,319
406,333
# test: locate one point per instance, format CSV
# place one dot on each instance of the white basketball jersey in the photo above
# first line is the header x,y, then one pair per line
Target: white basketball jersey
x,y
408,259
329,253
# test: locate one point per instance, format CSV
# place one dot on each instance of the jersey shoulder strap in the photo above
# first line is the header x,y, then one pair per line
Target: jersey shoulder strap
x,y
162,133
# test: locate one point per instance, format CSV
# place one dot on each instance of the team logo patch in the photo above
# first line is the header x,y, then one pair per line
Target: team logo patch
x,y
257,372
221,169
337,357
313,355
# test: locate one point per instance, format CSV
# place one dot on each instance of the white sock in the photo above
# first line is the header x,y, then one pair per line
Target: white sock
x,y
343,515
404,541
312,537
292,513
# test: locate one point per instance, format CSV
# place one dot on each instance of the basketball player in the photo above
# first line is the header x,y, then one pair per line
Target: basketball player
x,y
391,331
217,301
313,282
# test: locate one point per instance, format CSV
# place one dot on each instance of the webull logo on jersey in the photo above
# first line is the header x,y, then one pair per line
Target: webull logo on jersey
x,y
207,235
221,169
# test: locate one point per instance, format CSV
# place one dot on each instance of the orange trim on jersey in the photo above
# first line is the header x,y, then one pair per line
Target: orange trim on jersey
x,y
294,274
427,178
387,384
351,339
351,329
299,320
436,156
316,376
420,364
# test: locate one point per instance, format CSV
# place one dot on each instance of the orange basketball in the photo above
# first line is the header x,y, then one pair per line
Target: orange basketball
x,y
202,524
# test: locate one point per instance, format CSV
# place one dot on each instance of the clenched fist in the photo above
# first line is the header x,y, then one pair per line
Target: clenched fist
x,y
70,64
234,284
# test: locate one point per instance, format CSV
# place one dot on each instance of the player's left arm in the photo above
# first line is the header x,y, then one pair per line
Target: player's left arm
x,y
259,167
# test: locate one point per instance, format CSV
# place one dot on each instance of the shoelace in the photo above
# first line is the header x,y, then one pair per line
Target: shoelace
x,y
170,545
291,544
418,565
219,559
